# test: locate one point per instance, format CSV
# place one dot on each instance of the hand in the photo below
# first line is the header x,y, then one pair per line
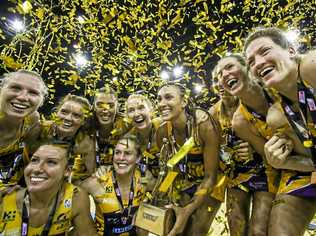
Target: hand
x,y
102,170
182,217
277,149
243,151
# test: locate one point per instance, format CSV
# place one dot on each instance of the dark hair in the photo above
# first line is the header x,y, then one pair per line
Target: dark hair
x,y
275,34
134,139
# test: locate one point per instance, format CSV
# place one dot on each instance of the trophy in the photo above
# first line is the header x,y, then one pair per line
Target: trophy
x,y
154,216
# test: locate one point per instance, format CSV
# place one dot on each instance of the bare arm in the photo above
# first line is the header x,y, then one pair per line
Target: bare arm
x,y
308,68
82,221
247,132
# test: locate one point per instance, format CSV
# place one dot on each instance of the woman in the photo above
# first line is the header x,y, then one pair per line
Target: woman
x,y
118,193
107,125
197,172
21,94
273,60
251,179
139,110
49,205
65,125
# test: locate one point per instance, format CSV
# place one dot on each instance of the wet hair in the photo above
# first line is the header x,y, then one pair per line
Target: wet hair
x,y
275,34
78,99
141,97
134,139
6,77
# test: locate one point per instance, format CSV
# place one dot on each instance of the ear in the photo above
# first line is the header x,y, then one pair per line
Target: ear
x,y
184,102
67,172
292,52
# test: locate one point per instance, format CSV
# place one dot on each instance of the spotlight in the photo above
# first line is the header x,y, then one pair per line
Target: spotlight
x,y
292,35
81,19
177,71
81,60
164,75
198,88
18,25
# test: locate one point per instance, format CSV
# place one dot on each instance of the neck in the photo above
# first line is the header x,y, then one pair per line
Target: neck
x,y
180,122
7,123
288,86
43,200
105,130
125,180
252,95
144,133
230,102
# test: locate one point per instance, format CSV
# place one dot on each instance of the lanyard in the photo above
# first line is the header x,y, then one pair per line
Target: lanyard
x,y
119,195
298,120
25,218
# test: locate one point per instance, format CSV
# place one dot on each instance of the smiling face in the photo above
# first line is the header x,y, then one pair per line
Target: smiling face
x,y
139,111
231,75
20,95
125,157
105,108
47,169
70,118
268,61
170,102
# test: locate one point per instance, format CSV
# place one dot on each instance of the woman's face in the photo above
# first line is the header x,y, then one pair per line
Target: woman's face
x,y
139,112
231,75
47,169
268,61
170,102
70,118
20,96
125,157
105,108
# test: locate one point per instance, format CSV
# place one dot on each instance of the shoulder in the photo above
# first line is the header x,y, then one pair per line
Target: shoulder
x,y
308,68
275,117
214,110
239,119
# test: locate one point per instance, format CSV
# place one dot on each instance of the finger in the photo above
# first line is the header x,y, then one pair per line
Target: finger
x,y
243,144
272,140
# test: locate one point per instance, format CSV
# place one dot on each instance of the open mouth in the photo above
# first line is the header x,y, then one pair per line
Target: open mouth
x,y
19,106
122,165
231,83
139,119
266,71
67,124
165,111
37,179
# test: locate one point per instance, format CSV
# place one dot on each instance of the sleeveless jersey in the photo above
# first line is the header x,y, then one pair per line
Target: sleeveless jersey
x,y
110,218
11,218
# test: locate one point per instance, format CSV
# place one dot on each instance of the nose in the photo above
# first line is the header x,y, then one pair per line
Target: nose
x,y
258,64
23,95
38,168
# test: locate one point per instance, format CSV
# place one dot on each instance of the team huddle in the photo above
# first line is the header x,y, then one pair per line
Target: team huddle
x,y
253,150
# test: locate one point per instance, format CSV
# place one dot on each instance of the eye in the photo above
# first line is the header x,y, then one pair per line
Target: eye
x,y
52,162
15,87
34,160
130,110
265,51
77,115
34,93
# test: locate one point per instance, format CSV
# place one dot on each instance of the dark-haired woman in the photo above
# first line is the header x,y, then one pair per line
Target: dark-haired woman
x,y
107,125
197,172
118,192
49,205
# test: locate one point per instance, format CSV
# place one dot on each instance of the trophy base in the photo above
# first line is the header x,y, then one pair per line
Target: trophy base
x,y
157,220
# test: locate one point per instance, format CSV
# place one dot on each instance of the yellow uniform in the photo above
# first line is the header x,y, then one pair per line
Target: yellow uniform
x,y
260,124
11,218
150,151
111,218
105,148
14,157
247,175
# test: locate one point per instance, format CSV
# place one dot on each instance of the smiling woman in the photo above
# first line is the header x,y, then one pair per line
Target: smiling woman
x,y
21,94
49,205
